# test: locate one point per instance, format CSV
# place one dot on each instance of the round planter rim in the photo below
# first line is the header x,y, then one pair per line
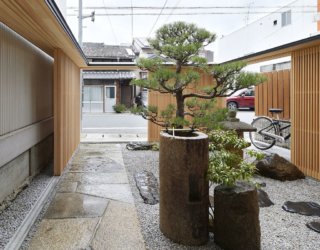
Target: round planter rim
x,y
199,135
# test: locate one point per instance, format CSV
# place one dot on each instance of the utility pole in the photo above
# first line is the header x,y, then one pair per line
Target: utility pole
x,y
80,24
80,17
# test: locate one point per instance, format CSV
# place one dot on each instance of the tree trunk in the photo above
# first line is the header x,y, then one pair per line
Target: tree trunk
x,y
180,104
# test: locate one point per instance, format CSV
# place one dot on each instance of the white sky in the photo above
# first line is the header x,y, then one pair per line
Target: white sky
x,y
117,29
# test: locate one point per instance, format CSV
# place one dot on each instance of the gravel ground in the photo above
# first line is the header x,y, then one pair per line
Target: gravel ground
x,y
15,213
279,229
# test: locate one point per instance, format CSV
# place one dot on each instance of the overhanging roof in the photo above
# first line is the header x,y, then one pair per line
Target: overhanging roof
x,y
108,75
280,51
41,23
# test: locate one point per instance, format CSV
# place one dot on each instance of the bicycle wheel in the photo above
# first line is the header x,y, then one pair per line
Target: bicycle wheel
x,y
262,141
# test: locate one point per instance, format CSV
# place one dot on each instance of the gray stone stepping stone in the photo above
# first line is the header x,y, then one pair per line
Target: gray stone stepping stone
x,y
303,208
314,225
148,187
263,199
64,234
74,205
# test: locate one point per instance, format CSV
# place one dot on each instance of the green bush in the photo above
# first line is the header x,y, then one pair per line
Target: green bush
x,y
136,110
119,108
226,165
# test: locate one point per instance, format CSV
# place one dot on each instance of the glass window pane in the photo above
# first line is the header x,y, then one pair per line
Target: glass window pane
x,y
86,94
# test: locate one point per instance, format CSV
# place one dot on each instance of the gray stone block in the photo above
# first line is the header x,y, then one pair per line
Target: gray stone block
x,y
41,155
13,175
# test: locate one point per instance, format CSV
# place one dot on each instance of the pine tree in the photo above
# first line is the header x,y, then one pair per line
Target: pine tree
x,y
181,43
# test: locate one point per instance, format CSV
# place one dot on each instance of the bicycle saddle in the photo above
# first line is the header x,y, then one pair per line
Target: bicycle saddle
x,y
275,110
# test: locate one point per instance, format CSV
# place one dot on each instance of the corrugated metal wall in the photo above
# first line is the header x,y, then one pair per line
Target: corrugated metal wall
x,y
305,110
162,101
274,93
66,110
26,82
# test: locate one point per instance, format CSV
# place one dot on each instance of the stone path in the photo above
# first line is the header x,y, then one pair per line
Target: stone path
x,y
93,208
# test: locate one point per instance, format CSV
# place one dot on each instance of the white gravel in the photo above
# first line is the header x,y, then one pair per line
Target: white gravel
x,y
279,229
15,213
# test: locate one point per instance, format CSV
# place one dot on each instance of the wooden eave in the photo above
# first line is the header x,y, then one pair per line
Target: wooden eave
x,y
280,51
41,23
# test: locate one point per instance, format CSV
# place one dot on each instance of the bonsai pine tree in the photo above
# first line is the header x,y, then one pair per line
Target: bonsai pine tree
x,y
181,43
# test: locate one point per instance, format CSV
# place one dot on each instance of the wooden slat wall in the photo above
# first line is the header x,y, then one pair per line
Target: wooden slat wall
x,y
66,110
305,115
162,100
275,93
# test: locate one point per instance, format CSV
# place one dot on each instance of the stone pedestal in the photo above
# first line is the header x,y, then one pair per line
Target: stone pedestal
x,y
236,217
183,187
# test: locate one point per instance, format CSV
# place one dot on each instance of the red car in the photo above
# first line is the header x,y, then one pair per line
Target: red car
x,y
243,98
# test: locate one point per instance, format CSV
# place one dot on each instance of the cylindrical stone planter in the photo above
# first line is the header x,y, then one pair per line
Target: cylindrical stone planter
x,y
183,187
236,217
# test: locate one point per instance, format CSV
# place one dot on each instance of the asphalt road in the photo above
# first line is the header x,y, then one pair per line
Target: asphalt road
x,y
128,123
113,123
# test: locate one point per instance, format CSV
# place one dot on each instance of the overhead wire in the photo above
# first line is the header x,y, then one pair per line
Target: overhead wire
x,y
189,7
109,20
195,13
174,8
165,3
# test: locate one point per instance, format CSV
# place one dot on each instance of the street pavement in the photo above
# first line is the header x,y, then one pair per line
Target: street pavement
x,y
113,127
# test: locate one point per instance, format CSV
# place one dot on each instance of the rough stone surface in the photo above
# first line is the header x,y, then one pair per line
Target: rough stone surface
x,y
74,205
13,175
148,187
263,199
119,228
67,187
41,155
184,188
120,192
64,234
314,225
303,208
277,167
236,217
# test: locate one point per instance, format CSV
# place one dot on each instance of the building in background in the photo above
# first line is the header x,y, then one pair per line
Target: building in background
x,y
103,89
294,22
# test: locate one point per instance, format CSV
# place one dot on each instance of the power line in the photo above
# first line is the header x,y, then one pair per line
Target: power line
x,y
174,8
195,13
109,20
189,7
165,3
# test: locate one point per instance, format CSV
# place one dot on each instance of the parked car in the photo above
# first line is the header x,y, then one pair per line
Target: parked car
x,y
243,98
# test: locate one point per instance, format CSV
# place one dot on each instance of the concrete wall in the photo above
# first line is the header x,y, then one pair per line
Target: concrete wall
x,y
269,32
26,110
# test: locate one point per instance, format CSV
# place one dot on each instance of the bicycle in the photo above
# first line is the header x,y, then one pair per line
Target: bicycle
x,y
269,130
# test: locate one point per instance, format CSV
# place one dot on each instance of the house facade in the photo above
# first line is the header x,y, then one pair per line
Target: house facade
x,y
102,89
294,22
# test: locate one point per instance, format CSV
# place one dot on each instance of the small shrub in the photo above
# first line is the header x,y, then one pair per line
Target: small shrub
x,y
119,108
137,110
226,166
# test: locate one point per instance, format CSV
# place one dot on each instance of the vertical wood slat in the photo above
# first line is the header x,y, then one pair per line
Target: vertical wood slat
x,y
162,100
274,93
66,110
305,91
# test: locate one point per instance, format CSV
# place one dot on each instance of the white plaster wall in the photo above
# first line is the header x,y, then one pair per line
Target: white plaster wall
x,y
263,34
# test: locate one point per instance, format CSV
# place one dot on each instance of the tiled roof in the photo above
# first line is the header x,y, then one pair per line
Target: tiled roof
x,y
100,50
108,75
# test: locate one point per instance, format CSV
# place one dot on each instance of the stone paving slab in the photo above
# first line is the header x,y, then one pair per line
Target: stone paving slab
x,y
119,192
64,234
119,228
74,205
93,205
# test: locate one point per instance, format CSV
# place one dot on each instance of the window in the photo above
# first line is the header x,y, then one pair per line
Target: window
x,y
286,18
